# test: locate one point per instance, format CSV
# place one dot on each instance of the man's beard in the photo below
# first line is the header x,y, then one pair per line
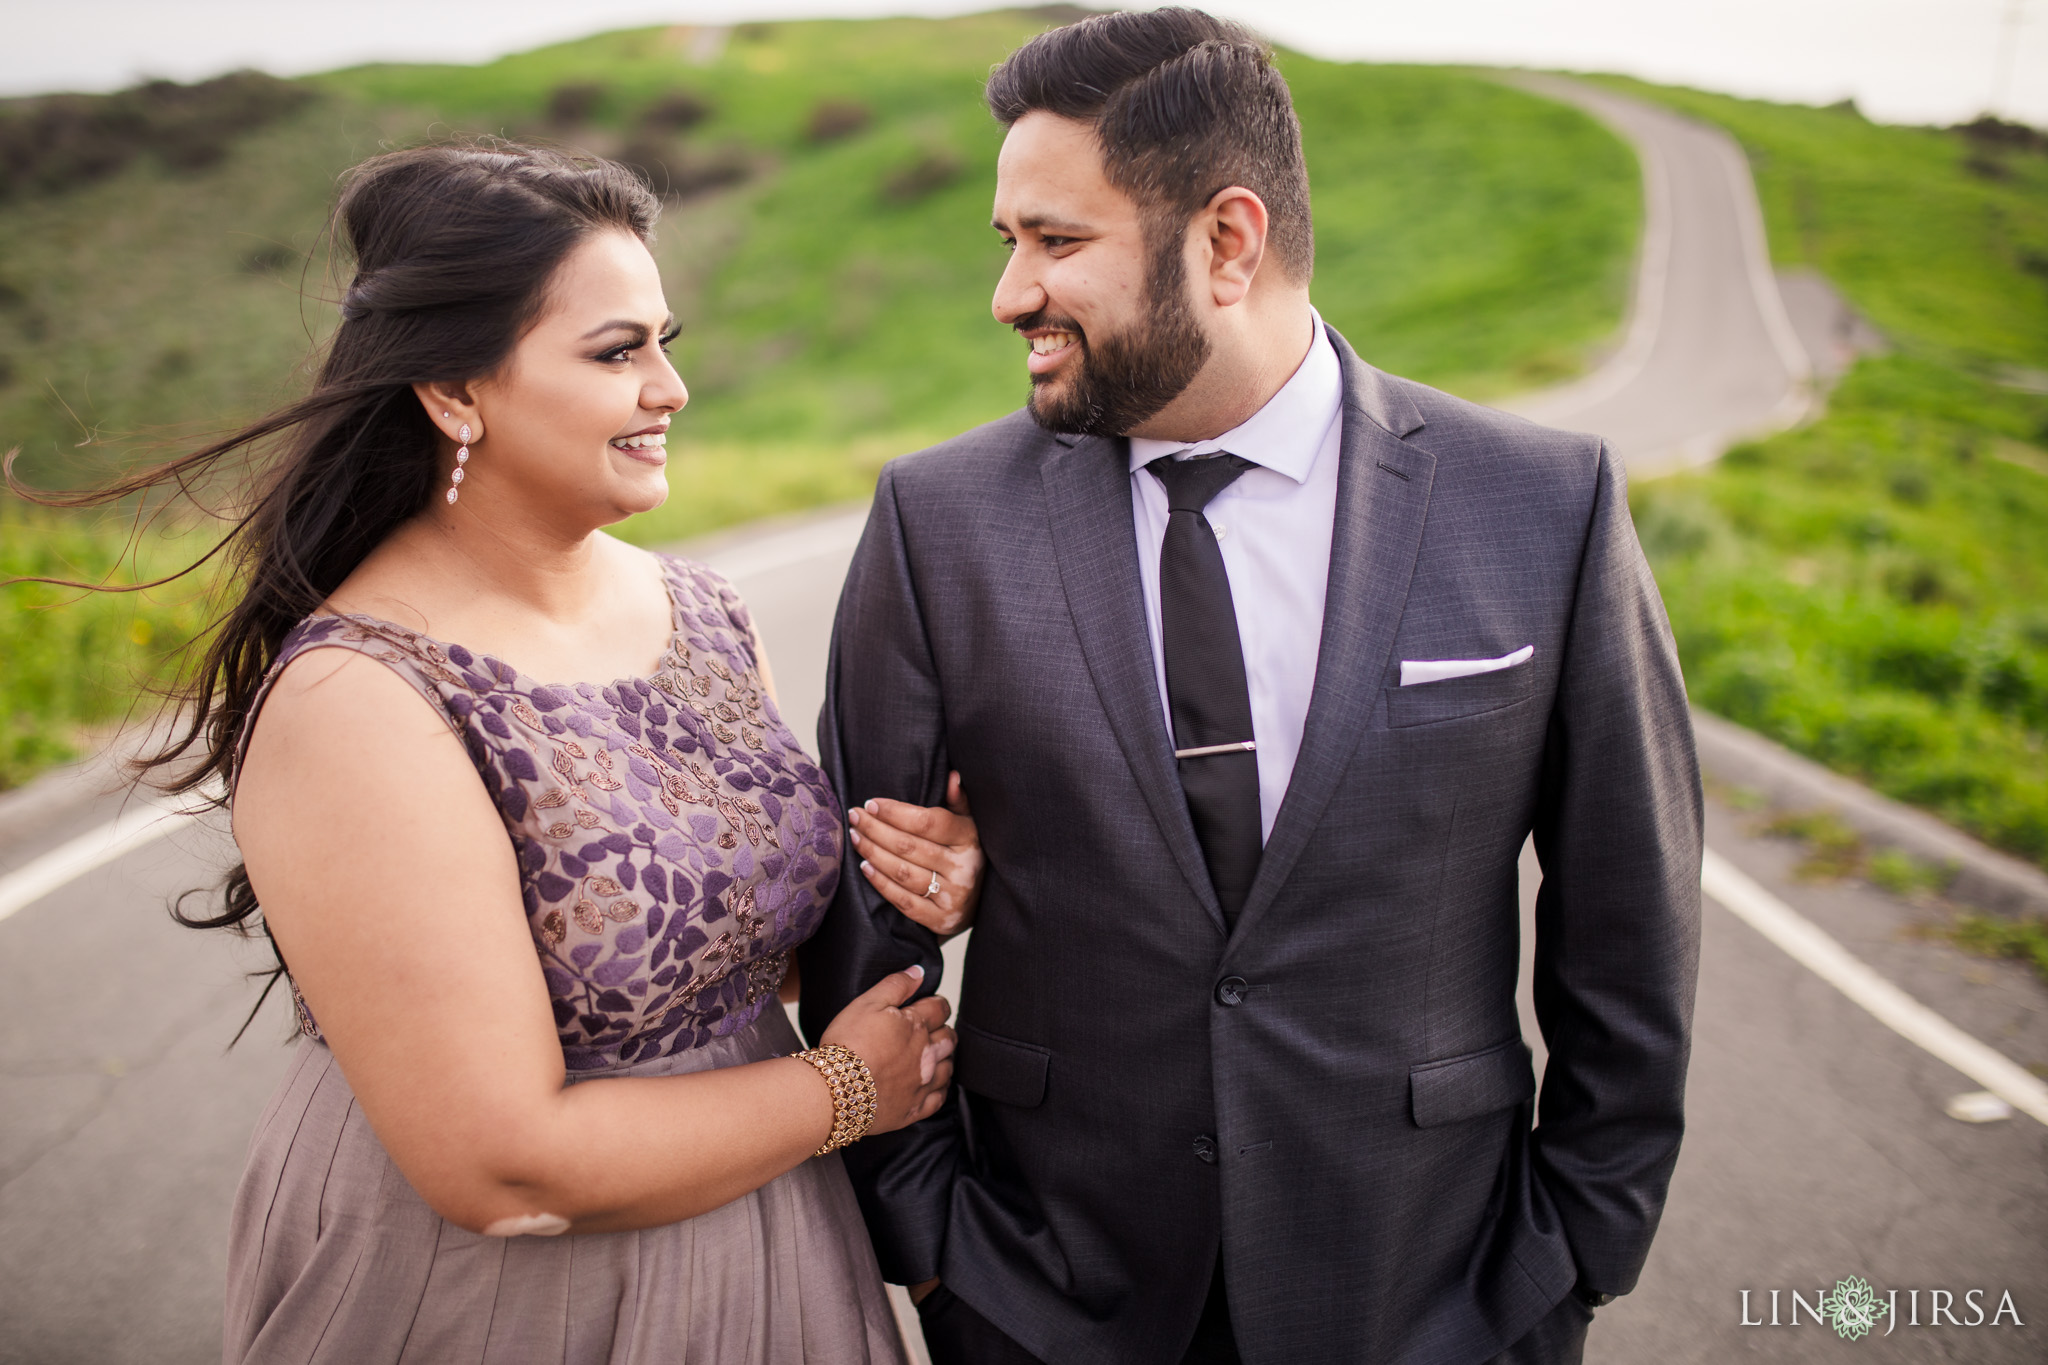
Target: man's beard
x,y
1122,380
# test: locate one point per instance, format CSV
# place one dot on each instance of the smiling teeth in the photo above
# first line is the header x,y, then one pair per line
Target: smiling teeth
x,y
653,440
1057,341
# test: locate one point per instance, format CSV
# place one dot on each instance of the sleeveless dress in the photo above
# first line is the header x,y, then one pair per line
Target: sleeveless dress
x,y
674,845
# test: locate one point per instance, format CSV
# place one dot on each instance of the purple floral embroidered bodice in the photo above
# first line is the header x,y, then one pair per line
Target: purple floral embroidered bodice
x,y
674,841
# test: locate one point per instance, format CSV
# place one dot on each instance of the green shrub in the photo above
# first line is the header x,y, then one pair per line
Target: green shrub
x,y
59,142
1994,936
75,661
1904,875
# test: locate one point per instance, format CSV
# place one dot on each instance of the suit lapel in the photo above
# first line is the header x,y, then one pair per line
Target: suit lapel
x,y
1088,500
1383,486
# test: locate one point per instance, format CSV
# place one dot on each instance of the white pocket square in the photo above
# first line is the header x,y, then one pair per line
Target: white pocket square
x,y
1415,671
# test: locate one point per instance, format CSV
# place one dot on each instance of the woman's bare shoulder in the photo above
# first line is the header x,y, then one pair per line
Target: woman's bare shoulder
x,y
331,682
351,719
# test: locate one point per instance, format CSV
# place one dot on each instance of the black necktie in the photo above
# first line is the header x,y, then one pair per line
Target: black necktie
x,y
1205,682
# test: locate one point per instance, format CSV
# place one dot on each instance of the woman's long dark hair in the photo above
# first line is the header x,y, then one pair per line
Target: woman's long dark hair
x,y
453,248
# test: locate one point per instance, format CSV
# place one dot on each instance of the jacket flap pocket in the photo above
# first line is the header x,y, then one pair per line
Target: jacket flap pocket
x,y
1456,698
1003,1069
1478,1083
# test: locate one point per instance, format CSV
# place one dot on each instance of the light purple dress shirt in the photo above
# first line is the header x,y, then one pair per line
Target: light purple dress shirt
x,y
1274,526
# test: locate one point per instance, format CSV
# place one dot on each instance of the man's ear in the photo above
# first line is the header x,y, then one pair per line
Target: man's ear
x,y
1236,223
451,407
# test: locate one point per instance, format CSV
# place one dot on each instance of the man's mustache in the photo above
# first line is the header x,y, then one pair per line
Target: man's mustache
x,y
1051,321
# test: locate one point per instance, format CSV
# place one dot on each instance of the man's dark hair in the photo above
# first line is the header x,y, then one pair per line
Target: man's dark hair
x,y
1184,104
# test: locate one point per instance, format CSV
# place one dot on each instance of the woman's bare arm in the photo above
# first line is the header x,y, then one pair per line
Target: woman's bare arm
x,y
385,873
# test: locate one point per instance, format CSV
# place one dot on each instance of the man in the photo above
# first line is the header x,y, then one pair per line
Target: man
x,y
1259,666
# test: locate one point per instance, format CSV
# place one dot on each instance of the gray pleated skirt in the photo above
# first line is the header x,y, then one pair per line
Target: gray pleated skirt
x,y
333,1257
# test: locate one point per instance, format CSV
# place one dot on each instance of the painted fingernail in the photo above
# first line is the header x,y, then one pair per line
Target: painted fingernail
x,y
867,867
853,816
854,835
916,972
871,806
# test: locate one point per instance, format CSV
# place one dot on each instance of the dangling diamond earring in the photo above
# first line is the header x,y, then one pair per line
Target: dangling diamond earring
x,y
461,459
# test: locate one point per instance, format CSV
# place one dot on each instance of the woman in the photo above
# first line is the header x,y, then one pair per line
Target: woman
x,y
429,602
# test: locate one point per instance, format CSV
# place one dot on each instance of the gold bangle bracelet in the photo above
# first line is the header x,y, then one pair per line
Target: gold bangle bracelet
x,y
853,1094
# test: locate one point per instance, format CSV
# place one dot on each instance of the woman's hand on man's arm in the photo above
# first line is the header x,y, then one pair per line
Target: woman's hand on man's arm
x,y
924,860
388,881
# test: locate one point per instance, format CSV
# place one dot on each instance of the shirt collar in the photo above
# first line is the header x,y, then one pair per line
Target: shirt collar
x,y
1287,434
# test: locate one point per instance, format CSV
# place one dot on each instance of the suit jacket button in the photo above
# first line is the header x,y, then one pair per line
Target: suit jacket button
x,y
1205,1150
1231,990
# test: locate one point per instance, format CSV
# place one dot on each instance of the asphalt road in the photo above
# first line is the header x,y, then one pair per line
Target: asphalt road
x,y
1710,352
1818,1145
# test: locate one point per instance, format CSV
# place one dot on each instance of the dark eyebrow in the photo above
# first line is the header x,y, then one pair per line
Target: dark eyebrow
x,y
638,330
1059,227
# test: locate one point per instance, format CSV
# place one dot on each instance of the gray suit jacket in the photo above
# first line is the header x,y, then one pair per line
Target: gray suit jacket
x,y
1335,1094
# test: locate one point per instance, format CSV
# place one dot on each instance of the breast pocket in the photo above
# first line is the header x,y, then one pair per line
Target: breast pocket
x,y
1433,703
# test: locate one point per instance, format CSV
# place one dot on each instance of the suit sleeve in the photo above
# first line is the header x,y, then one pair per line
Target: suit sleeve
x,y
882,733
1618,833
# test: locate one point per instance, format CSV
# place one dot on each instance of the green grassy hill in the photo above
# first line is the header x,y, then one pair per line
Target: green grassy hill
x,y
827,253
1872,588
1471,235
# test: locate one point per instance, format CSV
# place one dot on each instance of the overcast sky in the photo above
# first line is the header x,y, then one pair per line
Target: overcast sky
x,y
1906,61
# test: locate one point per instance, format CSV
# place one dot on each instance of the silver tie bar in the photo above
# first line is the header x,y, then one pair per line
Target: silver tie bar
x,y
1243,746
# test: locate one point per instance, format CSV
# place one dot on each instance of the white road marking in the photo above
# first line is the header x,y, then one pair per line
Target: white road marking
x,y
142,823
1817,951
1555,407
1763,283
1979,1106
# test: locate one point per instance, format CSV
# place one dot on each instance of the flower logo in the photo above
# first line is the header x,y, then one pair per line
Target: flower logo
x,y
1853,1308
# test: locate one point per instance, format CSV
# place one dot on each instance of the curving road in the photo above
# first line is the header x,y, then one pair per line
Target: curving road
x,y
1818,1145
1709,353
